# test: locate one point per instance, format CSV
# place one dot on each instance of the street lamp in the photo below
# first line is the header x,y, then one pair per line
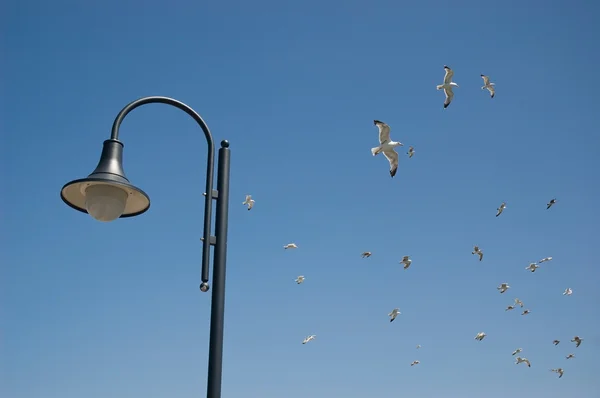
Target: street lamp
x,y
106,194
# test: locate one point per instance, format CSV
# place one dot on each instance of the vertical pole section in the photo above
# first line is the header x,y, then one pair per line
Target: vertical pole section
x,y
217,311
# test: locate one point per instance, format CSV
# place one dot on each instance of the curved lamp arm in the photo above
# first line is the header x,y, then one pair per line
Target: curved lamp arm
x,y
209,163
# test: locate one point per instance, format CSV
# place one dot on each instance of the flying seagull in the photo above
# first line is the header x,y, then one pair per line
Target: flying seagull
x,y
480,336
411,151
447,86
418,346
545,259
532,267
386,146
501,209
518,350
525,312
488,85
559,371
477,250
523,360
415,363
570,356
519,303
290,246
395,312
300,279
555,342
503,287
309,338
568,292
406,261
249,201
553,201
366,254
509,308
577,340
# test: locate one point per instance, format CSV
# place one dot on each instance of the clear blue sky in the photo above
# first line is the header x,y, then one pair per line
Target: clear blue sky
x,y
94,309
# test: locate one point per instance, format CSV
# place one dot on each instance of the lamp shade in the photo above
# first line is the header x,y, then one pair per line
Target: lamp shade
x,y
106,194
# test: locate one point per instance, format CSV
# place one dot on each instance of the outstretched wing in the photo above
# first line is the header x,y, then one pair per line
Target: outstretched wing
x,y
486,80
492,91
384,132
449,96
392,156
448,75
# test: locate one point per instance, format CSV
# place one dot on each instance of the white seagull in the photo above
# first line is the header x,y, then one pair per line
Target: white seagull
x,y
290,246
519,303
523,360
501,209
447,86
366,254
480,336
386,146
532,267
249,201
503,287
309,338
418,346
568,292
518,350
406,261
525,312
415,363
559,371
411,151
477,250
577,340
488,85
570,356
545,259
395,312
300,279
549,205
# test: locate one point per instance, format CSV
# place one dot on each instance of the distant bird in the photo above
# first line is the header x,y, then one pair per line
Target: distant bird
x,y
559,371
518,350
480,336
509,308
309,338
366,254
577,340
406,261
447,86
519,303
249,201
386,146
545,259
555,342
300,279
532,267
549,205
488,85
523,360
395,312
477,250
568,292
290,246
418,346
570,356
525,312
411,151
501,209
415,363
503,287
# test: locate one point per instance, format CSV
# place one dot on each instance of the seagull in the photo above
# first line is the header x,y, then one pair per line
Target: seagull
x,y
395,312
518,350
387,146
523,360
555,342
447,86
366,254
249,201
545,259
415,363
406,261
418,346
519,302
560,372
300,279
577,340
488,85
509,308
290,246
532,267
309,338
553,201
480,336
568,292
477,250
525,312
570,356
503,287
411,151
501,209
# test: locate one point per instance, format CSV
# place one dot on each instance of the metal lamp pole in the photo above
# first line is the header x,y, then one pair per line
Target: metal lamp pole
x,y
113,196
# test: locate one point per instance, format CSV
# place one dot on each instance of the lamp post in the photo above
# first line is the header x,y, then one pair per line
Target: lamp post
x,y
106,194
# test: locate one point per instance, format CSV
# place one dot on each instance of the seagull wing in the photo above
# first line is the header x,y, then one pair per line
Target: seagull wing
x,y
384,132
392,156
492,91
480,255
448,76
486,80
449,96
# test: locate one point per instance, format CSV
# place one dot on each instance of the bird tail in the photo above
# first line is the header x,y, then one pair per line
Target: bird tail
x,y
375,151
439,86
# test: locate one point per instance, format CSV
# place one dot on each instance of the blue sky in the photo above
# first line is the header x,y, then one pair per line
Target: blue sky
x,y
113,309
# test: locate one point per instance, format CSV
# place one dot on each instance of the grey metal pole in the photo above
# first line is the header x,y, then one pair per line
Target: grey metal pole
x,y
217,311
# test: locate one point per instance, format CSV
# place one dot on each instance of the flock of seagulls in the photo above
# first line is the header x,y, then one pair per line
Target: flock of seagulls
x,y
388,148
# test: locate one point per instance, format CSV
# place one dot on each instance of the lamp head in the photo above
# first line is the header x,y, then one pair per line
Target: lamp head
x,y
106,193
